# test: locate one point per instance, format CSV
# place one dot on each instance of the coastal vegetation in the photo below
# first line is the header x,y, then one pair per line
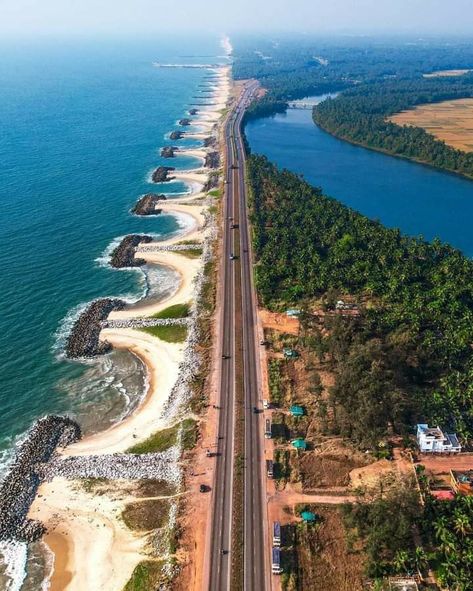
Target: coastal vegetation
x,y
164,439
361,115
146,515
174,311
375,81
407,355
149,574
389,319
173,333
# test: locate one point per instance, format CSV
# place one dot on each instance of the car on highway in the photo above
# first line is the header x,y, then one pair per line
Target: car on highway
x,y
233,257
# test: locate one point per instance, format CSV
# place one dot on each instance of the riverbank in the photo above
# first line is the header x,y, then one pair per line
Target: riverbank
x,y
95,519
417,199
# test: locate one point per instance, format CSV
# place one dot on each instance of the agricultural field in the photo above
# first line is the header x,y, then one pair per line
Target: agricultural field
x,y
450,121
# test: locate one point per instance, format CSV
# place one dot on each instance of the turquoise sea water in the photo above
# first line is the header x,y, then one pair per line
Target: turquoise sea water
x,y
415,198
81,126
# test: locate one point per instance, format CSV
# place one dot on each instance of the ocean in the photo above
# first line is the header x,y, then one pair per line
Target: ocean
x,y
81,125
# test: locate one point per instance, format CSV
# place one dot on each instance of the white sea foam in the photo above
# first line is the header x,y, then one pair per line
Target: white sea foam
x,y
50,557
13,555
103,260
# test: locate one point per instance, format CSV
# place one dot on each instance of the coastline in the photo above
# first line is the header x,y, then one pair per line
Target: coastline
x,y
71,530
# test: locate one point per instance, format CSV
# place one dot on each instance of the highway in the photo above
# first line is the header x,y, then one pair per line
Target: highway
x,y
238,369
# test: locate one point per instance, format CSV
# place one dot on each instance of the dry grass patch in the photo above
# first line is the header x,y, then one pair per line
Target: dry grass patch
x,y
449,121
146,515
322,559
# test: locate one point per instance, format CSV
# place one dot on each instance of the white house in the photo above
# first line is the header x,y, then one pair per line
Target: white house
x,y
434,440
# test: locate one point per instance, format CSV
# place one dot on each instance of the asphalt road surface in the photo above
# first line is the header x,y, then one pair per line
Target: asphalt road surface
x,y
238,324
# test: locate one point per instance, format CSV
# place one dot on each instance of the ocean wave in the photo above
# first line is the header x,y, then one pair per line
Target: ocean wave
x,y
103,260
13,556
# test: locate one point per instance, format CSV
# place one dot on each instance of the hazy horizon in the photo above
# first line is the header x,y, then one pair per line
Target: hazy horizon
x,y
19,18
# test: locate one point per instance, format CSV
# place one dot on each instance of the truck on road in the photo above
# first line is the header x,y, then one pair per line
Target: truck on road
x,y
276,562
276,534
267,429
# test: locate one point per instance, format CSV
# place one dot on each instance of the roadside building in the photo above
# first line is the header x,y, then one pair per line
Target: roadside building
x,y
296,410
443,494
435,440
308,516
462,482
290,353
293,312
299,444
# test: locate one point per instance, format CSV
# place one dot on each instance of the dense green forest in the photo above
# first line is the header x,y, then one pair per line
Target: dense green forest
x,y
290,68
407,354
409,357
360,115
376,80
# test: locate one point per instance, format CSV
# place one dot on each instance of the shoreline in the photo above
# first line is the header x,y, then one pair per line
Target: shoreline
x,y
162,361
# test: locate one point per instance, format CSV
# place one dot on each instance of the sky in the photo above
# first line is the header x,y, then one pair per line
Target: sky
x,y
118,17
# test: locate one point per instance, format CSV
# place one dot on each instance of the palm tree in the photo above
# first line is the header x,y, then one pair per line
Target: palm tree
x,y
401,561
461,523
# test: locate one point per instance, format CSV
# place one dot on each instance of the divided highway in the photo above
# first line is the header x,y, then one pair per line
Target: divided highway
x,y
239,365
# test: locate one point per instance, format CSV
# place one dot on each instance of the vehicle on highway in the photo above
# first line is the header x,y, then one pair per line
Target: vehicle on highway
x,y
255,410
224,356
233,257
276,562
276,533
268,433
233,226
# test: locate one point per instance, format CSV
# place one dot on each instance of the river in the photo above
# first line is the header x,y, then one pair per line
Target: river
x,y
415,198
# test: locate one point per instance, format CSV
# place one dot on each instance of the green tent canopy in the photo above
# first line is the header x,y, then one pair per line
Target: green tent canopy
x,y
299,444
297,411
308,516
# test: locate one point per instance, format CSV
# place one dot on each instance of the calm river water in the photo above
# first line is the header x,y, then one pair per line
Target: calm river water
x,y
415,198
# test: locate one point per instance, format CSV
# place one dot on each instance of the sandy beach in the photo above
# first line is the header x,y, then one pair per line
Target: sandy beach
x,y
93,548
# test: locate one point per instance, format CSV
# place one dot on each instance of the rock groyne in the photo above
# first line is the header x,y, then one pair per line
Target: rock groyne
x,y
212,160
185,122
124,254
18,490
161,174
210,142
168,151
176,135
146,205
83,340
193,111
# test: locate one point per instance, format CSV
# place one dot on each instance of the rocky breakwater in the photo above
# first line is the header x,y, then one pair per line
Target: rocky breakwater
x,y
83,340
18,490
210,142
168,151
146,205
212,160
161,174
124,254
176,135
185,122
160,465
193,111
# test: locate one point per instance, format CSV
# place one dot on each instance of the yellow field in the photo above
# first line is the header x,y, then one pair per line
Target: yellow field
x,y
450,121
446,73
